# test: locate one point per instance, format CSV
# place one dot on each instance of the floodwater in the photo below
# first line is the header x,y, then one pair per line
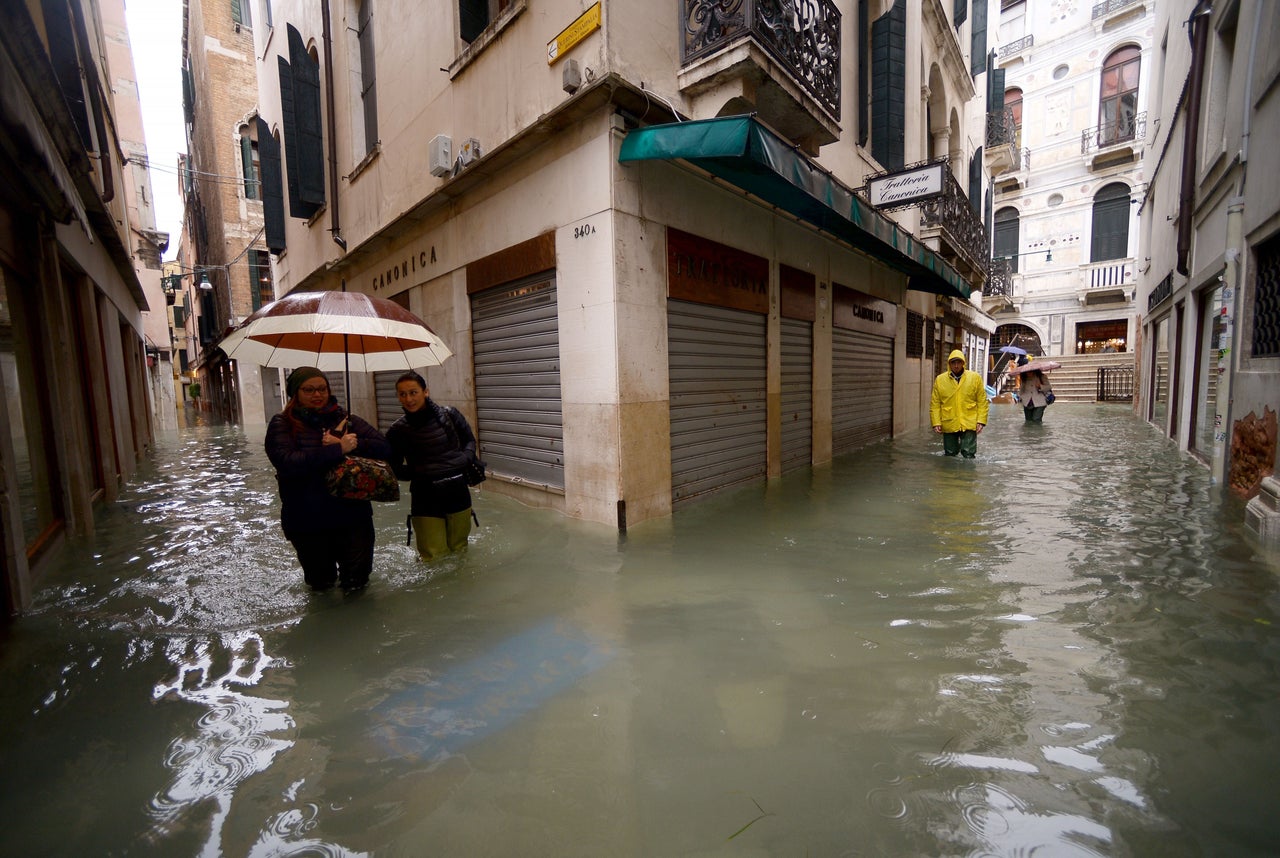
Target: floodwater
x,y
1066,647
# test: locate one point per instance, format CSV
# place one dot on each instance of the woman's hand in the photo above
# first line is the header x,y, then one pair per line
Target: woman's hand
x,y
348,441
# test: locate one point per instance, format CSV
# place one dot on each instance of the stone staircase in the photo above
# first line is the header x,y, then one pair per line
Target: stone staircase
x,y
1077,380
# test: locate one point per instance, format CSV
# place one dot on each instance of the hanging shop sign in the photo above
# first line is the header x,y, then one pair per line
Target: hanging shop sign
x,y
907,187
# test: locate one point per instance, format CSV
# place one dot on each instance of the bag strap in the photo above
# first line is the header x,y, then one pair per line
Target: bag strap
x,y
445,416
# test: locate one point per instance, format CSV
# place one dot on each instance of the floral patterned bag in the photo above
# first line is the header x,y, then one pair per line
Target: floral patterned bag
x,y
359,478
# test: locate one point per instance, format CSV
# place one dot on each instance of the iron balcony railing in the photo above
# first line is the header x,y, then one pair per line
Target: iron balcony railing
x,y
804,37
1018,46
1002,130
999,279
1110,7
1124,130
954,215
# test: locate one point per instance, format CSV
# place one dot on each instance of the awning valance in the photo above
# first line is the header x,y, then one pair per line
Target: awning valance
x,y
744,153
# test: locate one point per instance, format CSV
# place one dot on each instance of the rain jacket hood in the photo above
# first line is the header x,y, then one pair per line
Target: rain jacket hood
x,y
961,405
957,354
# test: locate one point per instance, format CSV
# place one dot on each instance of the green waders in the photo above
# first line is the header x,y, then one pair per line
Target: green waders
x,y
436,537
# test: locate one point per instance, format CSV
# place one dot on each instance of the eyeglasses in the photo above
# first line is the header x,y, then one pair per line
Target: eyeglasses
x,y
309,391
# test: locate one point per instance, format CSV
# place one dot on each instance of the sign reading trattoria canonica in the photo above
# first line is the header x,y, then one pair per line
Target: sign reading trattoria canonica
x,y
907,187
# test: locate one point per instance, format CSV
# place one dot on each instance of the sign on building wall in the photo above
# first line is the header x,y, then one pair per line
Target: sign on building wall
x,y
586,24
858,311
712,273
907,187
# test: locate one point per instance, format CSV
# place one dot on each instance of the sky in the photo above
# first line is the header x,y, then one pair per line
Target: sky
x,y
155,31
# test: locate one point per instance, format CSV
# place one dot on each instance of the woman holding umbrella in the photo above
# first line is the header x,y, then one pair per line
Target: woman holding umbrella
x,y
1035,392
333,536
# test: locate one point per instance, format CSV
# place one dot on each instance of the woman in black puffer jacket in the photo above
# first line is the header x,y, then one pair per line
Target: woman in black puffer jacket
x,y
333,537
430,446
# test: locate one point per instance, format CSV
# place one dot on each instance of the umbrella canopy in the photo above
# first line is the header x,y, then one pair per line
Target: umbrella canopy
x,y
1042,365
336,331
1013,350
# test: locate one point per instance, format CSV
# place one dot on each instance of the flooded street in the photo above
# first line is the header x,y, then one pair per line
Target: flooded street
x,y
1065,647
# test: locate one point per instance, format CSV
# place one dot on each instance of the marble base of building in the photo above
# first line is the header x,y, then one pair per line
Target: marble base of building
x,y
1262,515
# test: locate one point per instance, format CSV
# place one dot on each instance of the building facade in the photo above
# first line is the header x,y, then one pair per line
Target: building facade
x,y
1066,140
229,275
1210,358
648,239
73,354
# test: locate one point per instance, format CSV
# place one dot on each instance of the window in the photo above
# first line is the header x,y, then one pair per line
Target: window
x,y
1118,106
1013,104
1006,236
1110,223
475,15
367,81
915,335
249,161
1266,301
240,13
261,288
266,13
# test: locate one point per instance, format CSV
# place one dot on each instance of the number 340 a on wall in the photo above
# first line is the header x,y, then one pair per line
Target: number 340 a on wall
x,y
583,230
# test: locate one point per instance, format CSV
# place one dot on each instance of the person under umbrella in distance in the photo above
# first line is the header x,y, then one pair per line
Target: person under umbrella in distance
x,y
333,536
958,407
1034,392
431,446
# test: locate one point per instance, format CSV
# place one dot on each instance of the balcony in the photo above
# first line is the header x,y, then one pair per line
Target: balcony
x,y
1017,47
999,285
1002,153
960,235
1108,9
778,59
1106,282
1113,142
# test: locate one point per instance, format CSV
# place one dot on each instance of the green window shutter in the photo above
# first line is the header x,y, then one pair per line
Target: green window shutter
x,y
888,86
978,39
246,161
272,192
960,12
307,121
235,12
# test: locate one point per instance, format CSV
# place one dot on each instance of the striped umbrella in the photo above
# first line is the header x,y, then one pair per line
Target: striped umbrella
x,y
347,331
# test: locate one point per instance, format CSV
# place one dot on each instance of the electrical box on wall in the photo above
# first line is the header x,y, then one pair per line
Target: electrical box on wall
x,y
440,155
469,151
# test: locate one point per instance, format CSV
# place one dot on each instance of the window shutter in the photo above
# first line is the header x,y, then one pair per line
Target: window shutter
x,y
978,39
960,12
1006,237
246,162
888,86
975,181
255,280
1110,224
368,77
272,193
995,89
188,97
235,12
473,17
864,74
307,121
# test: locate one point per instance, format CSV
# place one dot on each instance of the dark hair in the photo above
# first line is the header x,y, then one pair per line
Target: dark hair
x,y
412,376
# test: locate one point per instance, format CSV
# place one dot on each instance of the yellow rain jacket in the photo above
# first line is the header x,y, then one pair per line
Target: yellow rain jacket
x,y
958,405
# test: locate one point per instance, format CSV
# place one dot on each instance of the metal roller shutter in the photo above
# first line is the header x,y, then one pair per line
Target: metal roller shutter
x,y
384,387
861,389
717,368
516,341
797,393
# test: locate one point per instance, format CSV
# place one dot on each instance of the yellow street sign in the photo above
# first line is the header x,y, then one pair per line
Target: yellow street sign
x,y
586,24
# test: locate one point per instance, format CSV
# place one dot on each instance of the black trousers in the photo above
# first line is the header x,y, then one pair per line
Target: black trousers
x,y
342,555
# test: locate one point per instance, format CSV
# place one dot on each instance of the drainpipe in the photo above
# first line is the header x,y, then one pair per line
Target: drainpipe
x,y
1199,35
335,228
1229,307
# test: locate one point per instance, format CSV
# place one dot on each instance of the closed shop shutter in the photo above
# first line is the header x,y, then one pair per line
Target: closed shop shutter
x,y
337,386
515,338
384,387
797,393
717,369
861,389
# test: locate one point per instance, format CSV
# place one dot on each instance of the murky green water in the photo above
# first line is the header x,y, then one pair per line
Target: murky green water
x,y
1066,647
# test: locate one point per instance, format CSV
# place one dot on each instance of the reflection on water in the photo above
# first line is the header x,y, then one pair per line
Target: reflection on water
x,y
1066,647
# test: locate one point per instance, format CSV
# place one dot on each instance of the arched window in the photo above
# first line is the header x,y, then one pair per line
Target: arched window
x,y
1118,102
249,161
1110,223
1006,235
1013,104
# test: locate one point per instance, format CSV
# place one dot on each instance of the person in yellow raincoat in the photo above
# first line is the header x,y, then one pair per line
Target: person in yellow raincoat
x,y
958,408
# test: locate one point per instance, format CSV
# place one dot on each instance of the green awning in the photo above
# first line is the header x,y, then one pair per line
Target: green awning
x,y
744,153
